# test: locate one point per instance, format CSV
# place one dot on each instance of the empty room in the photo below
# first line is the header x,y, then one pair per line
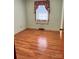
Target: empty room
x,y
39,29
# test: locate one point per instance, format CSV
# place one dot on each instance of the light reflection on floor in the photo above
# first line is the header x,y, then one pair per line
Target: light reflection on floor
x,y
42,44
61,35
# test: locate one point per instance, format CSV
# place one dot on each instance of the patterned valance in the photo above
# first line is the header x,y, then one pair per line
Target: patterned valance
x,y
37,3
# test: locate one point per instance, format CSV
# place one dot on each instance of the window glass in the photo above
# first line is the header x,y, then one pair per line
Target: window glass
x,y
41,13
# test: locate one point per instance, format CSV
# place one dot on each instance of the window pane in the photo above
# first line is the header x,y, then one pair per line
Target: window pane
x,y
41,13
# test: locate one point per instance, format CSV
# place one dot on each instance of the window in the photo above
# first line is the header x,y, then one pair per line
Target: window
x,y
41,11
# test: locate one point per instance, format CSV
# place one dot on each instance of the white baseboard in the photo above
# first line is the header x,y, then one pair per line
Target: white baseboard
x,y
19,30
52,29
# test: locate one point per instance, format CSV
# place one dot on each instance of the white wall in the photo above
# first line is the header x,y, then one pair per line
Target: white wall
x,y
55,15
20,22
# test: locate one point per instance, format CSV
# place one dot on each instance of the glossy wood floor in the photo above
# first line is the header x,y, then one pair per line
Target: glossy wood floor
x,y
39,44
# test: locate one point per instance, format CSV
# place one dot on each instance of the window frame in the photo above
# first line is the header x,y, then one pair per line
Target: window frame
x,y
41,21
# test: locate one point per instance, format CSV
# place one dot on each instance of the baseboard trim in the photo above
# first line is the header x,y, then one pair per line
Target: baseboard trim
x,y
20,31
41,29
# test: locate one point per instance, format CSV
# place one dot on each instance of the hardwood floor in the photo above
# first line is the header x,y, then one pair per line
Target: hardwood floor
x,y
39,44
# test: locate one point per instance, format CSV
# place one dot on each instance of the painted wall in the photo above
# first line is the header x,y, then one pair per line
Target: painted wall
x,y
20,22
55,15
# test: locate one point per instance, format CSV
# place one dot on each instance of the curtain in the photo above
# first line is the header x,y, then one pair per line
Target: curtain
x,y
37,3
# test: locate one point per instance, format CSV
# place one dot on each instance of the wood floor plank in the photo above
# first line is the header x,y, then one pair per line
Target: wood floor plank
x,y
39,44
